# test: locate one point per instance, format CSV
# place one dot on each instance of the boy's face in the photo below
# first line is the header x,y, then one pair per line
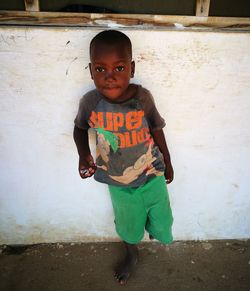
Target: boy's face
x,y
111,69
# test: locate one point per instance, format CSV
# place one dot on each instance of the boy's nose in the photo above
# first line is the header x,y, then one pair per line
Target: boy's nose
x,y
110,75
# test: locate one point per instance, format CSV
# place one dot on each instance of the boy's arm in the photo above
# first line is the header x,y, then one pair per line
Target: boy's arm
x,y
86,162
159,138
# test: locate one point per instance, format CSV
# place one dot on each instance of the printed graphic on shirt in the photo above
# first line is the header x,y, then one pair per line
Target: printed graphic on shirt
x,y
125,151
130,123
144,164
109,137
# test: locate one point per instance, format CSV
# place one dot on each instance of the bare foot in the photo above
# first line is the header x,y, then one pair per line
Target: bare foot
x,y
125,268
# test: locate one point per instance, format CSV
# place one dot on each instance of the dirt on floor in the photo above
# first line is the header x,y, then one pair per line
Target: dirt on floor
x,y
186,265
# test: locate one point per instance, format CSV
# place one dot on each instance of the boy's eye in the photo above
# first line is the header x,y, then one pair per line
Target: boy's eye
x,y
99,69
119,69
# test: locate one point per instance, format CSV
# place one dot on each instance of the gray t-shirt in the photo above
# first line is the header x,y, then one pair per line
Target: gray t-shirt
x,y
126,154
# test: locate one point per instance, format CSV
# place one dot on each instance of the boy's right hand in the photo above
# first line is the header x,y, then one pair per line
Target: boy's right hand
x,y
87,167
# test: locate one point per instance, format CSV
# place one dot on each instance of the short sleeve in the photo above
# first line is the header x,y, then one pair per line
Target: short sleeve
x,y
155,120
86,105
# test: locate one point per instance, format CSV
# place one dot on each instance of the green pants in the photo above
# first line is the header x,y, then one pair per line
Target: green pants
x,y
145,207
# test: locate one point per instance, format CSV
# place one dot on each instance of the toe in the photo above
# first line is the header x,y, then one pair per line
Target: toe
x,y
122,282
123,279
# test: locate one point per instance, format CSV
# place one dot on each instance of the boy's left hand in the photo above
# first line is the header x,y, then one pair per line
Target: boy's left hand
x,y
169,173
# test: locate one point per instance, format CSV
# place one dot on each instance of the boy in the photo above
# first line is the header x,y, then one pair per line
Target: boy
x,y
131,152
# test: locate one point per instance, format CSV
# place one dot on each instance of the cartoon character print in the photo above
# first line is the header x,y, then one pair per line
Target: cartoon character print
x,y
144,164
106,141
103,147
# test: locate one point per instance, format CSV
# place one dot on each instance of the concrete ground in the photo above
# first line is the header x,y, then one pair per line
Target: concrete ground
x,y
211,265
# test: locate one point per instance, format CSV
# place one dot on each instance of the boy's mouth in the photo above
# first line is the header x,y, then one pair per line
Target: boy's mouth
x,y
111,87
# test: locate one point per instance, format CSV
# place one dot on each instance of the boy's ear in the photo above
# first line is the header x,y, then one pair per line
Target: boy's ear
x,y
90,70
132,69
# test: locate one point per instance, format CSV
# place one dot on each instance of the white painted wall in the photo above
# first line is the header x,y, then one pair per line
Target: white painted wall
x,y
201,84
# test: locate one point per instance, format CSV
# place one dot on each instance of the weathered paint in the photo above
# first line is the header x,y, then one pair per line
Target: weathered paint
x,y
201,86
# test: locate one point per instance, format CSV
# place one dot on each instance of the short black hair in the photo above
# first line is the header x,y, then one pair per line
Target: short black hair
x,y
111,37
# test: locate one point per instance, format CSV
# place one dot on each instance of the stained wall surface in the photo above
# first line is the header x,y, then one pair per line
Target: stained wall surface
x,y
201,85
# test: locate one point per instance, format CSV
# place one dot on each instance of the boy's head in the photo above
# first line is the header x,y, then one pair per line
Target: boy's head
x,y
111,64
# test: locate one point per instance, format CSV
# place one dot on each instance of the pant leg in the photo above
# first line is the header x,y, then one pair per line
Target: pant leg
x,y
159,216
130,213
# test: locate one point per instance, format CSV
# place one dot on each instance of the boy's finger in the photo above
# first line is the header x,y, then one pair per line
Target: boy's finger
x,y
84,171
169,180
